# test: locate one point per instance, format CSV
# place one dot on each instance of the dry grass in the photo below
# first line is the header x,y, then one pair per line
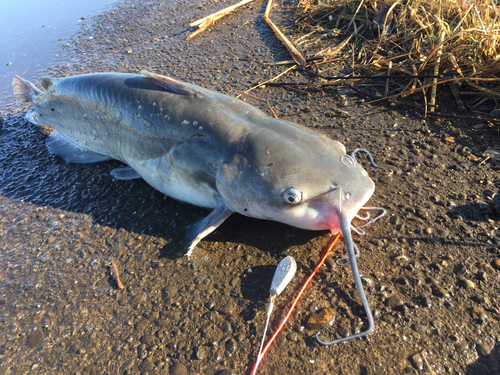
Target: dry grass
x,y
425,47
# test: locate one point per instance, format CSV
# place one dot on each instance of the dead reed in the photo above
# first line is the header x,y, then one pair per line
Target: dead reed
x,y
417,47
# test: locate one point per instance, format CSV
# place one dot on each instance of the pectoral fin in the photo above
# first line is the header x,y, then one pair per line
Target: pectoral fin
x,y
197,231
125,173
67,150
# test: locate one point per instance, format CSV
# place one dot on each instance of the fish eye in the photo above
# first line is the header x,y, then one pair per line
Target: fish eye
x,y
292,195
347,160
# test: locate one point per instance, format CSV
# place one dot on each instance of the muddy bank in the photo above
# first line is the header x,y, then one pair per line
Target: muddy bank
x,y
431,268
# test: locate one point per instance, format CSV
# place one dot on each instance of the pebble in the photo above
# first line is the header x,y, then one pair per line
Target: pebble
x,y
231,345
422,212
141,324
146,366
496,263
483,349
435,198
178,369
320,318
417,361
200,352
395,220
226,309
442,232
440,292
128,365
419,328
386,179
136,300
478,315
460,270
344,330
394,301
148,339
35,339
483,276
486,267
462,345
467,284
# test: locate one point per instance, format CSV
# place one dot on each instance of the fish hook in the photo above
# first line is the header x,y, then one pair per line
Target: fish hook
x,y
344,261
353,155
382,210
352,250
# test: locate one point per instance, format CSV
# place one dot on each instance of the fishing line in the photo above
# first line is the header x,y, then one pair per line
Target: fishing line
x,y
329,248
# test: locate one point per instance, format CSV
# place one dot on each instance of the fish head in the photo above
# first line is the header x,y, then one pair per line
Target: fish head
x,y
307,183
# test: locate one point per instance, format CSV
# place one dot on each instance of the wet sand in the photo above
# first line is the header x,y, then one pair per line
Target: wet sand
x,y
431,268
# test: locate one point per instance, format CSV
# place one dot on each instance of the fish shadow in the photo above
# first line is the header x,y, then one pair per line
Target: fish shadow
x,y
267,236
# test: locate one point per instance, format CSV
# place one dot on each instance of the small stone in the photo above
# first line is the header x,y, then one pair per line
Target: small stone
x,y
136,300
367,282
178,369
478,315
127,365
395,220
467,284
442,232
422,212
226,310
417,361
394,302
487,268
440,292
435,198
483,349
141,324
344,330
320,318
146,366
431,281
386,179
483,276
35,339
162,323
419,328
231,345
460,270
199,352
496,263
148,339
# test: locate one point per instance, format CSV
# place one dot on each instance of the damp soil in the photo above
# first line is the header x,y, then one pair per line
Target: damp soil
x,y
431,268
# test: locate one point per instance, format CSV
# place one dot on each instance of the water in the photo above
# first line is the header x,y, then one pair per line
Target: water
x,y
29,32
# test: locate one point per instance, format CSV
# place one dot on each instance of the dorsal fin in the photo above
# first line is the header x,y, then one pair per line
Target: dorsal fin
x,y
168,84
45,83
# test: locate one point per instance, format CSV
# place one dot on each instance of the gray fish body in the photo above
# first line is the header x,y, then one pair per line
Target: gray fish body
x,y
204,148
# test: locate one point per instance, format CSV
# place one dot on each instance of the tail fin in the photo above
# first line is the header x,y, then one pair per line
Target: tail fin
x,y
25,90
